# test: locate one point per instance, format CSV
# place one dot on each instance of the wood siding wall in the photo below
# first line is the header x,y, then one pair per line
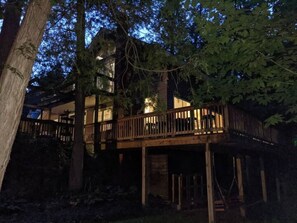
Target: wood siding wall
x,y
158,176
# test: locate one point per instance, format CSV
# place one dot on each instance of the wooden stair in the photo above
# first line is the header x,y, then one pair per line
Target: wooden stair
x,y
220,205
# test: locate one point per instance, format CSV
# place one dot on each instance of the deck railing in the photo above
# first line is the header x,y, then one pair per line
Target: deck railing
x,y
181,121
211,119
246,124
105,131
37,127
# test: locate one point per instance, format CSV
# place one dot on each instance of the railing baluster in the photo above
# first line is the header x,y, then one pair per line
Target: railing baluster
x,y
205,120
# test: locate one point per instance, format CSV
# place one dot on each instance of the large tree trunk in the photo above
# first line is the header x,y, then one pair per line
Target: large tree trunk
x,y
16,75
122,71
121,68
77,157
76,166
10,27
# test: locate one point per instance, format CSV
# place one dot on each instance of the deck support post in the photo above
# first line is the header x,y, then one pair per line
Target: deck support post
x,y
209,183
144,178
247,170
180,191
278,193
96,125
41,114
173,188
277,182
240,185
263,180
121,174
50,114
195,182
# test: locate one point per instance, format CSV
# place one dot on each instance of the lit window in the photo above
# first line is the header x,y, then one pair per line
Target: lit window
x,y
149,105
180,103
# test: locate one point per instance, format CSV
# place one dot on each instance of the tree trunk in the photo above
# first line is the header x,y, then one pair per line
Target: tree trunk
x,y
121,67
77,158
96,126
16,75
10,27
76,166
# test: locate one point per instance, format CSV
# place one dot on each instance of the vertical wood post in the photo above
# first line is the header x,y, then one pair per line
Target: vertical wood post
x,y
201,187
209,184
144,178
240,185
247,170
263,180
41,114
188,188
50,114
278,193
173,188
97,133
195,179
226,118
121,173
277,182
180,192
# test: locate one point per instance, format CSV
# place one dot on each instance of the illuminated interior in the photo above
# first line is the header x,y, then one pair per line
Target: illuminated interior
x,y
104,114
180,103
149,105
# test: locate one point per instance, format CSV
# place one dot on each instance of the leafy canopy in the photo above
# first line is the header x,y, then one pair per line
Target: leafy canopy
x,y
246,53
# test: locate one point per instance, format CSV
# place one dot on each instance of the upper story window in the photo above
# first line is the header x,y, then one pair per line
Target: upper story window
x,y
180,103
104,114
150,105
105,79
105,84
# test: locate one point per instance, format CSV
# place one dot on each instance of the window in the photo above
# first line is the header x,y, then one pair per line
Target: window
x,y
180,103
108,67
105,84
104,114
149,105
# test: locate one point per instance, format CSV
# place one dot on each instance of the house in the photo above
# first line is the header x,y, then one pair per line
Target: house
x,y
215,155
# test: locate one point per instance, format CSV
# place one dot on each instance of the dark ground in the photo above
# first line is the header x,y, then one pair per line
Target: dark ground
x,y
36,190
111,203
82,208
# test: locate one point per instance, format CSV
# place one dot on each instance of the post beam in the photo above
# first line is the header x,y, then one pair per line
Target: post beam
x,y
277,182
278,191
144,178
180,191
209,183
96,126
240,186
173,188
263,180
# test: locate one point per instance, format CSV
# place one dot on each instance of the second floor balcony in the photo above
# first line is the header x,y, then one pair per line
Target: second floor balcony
x,y
188,121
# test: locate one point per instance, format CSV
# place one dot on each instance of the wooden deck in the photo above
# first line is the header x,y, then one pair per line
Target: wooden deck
x,y
47,128
213,123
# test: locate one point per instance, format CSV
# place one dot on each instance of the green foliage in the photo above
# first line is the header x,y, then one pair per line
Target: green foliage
x,y
229,51
48,81
247,53
37,167
274,119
